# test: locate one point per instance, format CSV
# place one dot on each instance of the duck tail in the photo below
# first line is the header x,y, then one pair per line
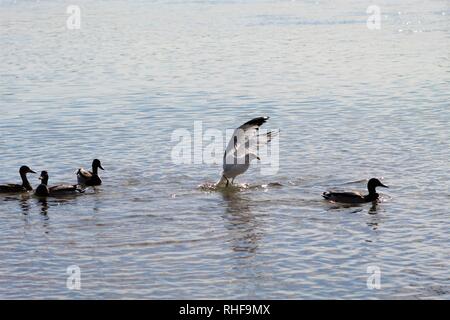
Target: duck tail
x,y
326,195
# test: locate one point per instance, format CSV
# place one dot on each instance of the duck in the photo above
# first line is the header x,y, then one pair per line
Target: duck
x,y
90,178
356,197
16,188
44,191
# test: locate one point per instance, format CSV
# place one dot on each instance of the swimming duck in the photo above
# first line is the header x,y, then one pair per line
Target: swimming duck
x,y
356,197
90,178
15,188
44,191
242,149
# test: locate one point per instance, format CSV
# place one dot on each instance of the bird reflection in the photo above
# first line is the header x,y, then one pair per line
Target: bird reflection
x,y
374,219
241,223
373,208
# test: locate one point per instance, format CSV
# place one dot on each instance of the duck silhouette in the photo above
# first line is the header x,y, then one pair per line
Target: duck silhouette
x,y
16,188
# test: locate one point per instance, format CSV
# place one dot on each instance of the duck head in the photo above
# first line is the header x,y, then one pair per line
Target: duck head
x,y
373,184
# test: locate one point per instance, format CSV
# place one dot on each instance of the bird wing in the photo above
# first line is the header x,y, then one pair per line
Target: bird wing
x,y
246,139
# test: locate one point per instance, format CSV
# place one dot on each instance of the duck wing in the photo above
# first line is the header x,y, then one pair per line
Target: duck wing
x,y
344,197
83,175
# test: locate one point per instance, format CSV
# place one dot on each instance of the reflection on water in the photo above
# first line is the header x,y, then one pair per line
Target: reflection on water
x,y
374,219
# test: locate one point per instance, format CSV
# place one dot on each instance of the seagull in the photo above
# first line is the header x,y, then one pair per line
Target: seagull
x,y
242,149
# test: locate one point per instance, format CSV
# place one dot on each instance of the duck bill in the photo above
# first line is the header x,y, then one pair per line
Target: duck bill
x,y
101,167
383,185
31,171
